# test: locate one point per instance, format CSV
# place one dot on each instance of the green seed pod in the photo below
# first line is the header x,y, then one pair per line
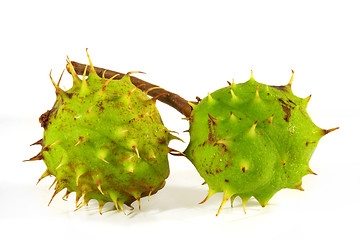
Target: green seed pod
x,y
252,139
104,140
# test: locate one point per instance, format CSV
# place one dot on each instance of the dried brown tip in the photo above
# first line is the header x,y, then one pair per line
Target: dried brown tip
x,y
326,131
39,142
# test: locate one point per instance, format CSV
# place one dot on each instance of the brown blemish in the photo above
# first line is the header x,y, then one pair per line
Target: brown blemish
x,y
212,119
44,119
286,109
222,145
243,169
307,143
211,136
226,180
161,140
281,88
289,100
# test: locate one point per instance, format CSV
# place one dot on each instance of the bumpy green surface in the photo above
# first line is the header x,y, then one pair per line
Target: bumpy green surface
x,y
252,139
104,140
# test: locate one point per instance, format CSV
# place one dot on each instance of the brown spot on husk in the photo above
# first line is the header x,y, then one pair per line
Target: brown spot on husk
x,y
211,136
44,119
281,88
286,109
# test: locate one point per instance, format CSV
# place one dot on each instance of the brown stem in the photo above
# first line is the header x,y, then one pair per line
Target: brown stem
x,y
161,94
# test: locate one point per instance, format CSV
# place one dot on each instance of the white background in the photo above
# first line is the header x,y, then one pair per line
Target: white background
x,y
191,48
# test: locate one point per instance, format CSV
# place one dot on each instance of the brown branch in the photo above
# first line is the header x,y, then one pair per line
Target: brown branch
x,y
161,94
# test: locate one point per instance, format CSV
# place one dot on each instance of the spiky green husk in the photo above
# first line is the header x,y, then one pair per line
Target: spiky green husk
x,y
104,140
252,139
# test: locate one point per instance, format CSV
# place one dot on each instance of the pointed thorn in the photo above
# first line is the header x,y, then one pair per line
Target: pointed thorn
x,y
175,152
122,209
60,77
151,189
186,118
53,183
210,193
203,201
65,197
39,156
270,119
222,141
193,105
132,72
257,96
150,89
80,206
90,109
225,198
291,79
311,172
103,159
232,200
55,193
155,98
61,163
103,73
252,129
233,95
44,175
57,88
84,73
299,187
101,205
81,138
78,175
71,70
329,130
136,87
244,202
39,142
139,203
103,88
210,98
77,200
136,150
99,187
92,69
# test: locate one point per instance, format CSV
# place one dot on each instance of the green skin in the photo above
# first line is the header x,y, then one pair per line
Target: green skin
x,y
252,139
105,140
